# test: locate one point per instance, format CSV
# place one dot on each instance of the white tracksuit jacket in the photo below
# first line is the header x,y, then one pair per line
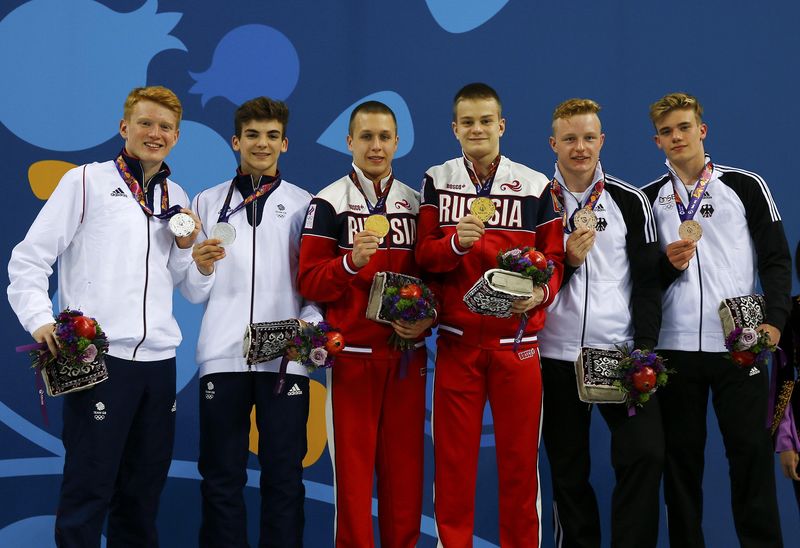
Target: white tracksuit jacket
x,y
114,263
256,279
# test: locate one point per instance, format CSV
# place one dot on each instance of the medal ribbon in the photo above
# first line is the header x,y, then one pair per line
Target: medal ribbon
x,y
265,188
688,213
380,206
484,188
557,194
139,195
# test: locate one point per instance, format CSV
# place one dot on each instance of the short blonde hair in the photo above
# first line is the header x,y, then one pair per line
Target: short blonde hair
x,y
157,94
574,107
675,101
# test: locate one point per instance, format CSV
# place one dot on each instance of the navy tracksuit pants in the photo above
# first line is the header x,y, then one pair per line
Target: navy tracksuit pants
x,y
226,401
118,437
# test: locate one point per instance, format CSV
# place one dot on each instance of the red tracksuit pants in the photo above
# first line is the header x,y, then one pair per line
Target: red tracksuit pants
x,y
376,425
465,377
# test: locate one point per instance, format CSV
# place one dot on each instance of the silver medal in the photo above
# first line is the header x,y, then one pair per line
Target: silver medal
x,y
181,225
224,232
690,230
585,218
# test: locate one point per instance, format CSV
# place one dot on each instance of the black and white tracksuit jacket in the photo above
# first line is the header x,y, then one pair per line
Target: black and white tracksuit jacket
x,y
614,297
743,239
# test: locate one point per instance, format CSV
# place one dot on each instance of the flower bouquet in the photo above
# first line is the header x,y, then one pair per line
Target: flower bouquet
x,y
79,364
519,271
532,264
528,262
314,346
642,372
409,302
748,347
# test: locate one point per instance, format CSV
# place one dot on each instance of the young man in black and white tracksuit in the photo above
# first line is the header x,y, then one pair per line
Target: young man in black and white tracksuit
x,y
610,297
251,279
117,262
742,242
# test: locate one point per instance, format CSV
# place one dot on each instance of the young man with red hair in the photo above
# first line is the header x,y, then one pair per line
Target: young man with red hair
x,y
118,261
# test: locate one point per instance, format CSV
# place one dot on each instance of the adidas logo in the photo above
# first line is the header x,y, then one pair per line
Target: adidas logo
x,y
295,391
754,371
599,207
118,192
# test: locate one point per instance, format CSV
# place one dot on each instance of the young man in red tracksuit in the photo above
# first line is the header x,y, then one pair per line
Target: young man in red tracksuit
x,y
475,354
375,407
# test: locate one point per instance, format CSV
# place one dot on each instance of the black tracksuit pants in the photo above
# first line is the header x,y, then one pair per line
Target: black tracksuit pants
x,y
637,455
739,396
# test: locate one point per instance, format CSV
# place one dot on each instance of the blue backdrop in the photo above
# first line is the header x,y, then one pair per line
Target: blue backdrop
x,y
68,65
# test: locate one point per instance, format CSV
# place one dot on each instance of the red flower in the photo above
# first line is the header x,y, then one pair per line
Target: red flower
x,y
743,358
411,291
644,380
84,327
335,342
537,259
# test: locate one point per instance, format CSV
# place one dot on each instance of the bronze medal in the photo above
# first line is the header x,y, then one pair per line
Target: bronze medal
x,y
690,230
585,218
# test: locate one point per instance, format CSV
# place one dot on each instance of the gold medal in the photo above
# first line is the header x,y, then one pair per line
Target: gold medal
x,y
690,230
378,224
483,208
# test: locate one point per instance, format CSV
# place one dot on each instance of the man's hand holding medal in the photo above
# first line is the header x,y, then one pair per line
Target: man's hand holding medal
x,y
366,242
579,243
186,226
206,253
470,228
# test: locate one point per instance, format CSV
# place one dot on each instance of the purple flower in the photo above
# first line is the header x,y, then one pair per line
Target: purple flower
x,y
730,340
747,339
318,356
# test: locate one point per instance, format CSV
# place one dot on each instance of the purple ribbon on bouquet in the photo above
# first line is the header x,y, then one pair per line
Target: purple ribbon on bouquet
x,y
523,323
38,375
281,376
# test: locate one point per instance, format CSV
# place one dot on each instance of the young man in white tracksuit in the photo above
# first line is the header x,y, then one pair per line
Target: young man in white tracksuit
x,y
251,279
610,297
742,240
118,262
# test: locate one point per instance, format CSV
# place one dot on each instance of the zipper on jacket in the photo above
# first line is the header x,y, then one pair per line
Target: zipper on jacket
x,y
254,205
146,280
700,280
585,299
